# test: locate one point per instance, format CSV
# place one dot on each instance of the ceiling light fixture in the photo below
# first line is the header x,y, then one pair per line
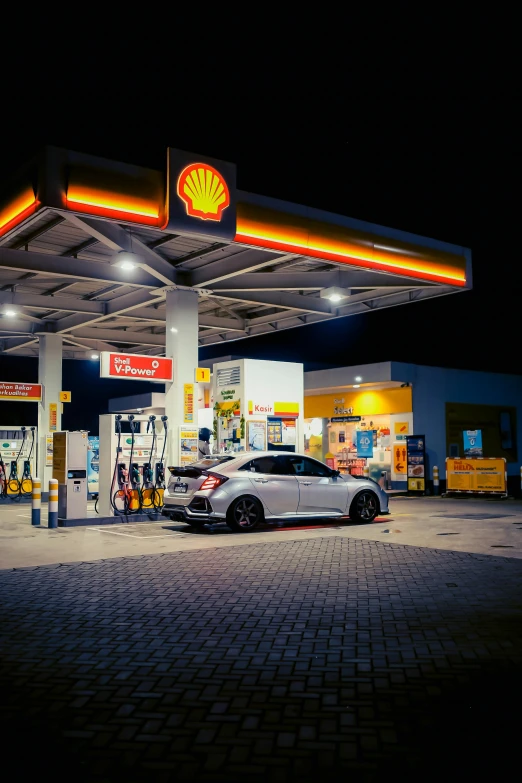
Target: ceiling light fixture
x,y
335,294
10,313
173,329
356,386
94,356
126,260
358,379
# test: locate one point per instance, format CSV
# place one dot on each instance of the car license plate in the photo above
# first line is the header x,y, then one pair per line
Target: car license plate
x,y
180,489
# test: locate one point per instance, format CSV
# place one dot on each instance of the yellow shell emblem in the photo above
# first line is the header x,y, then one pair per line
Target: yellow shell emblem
x,y
204,191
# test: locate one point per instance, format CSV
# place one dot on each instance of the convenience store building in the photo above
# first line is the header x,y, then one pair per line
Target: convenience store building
x,y
394,399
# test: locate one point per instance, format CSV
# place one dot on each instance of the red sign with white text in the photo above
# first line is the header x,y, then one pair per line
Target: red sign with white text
x,y
18,392
135,367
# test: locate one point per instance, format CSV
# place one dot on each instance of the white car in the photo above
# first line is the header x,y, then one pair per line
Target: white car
x,y
246,489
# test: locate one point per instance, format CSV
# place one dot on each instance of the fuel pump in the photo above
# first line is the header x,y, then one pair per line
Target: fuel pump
x,y
148,491
3,479
119,475
14,486
134,471
159,479
26,484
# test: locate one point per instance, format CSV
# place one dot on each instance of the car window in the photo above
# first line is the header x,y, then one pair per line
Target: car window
x,y
273,466
303,466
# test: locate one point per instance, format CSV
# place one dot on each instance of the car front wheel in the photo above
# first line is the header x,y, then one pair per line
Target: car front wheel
x,y
244,515
365,507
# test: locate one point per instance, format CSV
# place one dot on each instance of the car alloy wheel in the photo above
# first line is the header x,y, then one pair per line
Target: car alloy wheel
x,y
244,514
365,507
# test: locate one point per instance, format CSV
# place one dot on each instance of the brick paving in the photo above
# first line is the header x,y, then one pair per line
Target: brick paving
x,y
326,659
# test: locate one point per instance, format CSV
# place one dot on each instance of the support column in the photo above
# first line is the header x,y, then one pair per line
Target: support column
x,y
182,347
50,376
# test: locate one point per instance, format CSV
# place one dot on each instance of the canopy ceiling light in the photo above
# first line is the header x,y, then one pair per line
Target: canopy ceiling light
x,y
10,313
126,260
335,294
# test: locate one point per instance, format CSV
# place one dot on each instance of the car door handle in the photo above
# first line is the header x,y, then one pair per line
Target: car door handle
x,y
306,483
261,481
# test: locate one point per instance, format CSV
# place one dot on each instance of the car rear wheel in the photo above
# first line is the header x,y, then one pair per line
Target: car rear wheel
x,y
244,515
365,507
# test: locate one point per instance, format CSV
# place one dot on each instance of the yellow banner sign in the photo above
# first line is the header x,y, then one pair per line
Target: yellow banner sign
x,y
188,402
476,475
399,459
53,416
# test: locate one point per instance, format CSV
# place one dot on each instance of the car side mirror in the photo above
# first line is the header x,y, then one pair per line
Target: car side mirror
x,y
336,473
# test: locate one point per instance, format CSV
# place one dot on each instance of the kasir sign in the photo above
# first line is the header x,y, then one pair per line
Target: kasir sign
x,y
135,367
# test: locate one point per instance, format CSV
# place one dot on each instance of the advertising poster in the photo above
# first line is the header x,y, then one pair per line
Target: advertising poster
x,y
476,475
472,443
275,432
289,432
256,435
416,462
188,446
49,451
364,442
93,464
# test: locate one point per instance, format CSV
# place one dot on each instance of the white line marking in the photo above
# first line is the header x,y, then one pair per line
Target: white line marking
x,y
129,535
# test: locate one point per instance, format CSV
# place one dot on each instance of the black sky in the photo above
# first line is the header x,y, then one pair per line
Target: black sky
x,y
409,121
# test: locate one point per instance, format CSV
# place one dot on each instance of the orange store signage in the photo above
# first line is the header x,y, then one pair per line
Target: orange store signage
x,y
21,392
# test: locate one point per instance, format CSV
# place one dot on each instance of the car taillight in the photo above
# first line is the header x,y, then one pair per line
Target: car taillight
x,y
212,481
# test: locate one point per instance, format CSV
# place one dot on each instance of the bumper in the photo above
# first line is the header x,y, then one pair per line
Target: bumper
x,y
198,510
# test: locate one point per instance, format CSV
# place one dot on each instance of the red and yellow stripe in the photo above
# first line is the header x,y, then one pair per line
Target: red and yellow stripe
x,y
18,210
268,228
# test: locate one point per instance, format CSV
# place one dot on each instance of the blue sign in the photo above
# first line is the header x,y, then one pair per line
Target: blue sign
x,y
472,443
93,464
364,443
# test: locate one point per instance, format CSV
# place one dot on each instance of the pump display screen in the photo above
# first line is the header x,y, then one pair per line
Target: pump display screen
x,y
14,445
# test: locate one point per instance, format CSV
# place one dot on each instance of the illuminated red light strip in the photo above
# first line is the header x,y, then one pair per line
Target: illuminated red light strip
x,y
19,217
114,207
388,266
116,212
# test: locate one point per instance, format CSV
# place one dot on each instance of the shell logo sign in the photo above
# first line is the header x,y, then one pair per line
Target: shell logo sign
x,y
204,191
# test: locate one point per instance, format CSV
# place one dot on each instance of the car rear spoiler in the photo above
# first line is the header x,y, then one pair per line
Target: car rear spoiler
x,y
187,472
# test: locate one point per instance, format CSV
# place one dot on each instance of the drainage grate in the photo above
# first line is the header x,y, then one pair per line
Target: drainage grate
x,y
502,546
448,534
472,516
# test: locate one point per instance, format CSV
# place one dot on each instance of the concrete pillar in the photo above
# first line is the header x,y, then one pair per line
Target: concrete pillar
x,y
50,376
182,347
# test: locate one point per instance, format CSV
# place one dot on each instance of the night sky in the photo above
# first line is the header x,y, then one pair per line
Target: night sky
x,y
406,123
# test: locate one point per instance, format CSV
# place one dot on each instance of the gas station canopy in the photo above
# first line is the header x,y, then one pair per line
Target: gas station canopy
x,y
89,247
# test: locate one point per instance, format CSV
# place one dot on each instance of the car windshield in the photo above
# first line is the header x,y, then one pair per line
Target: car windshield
x,y
212,462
